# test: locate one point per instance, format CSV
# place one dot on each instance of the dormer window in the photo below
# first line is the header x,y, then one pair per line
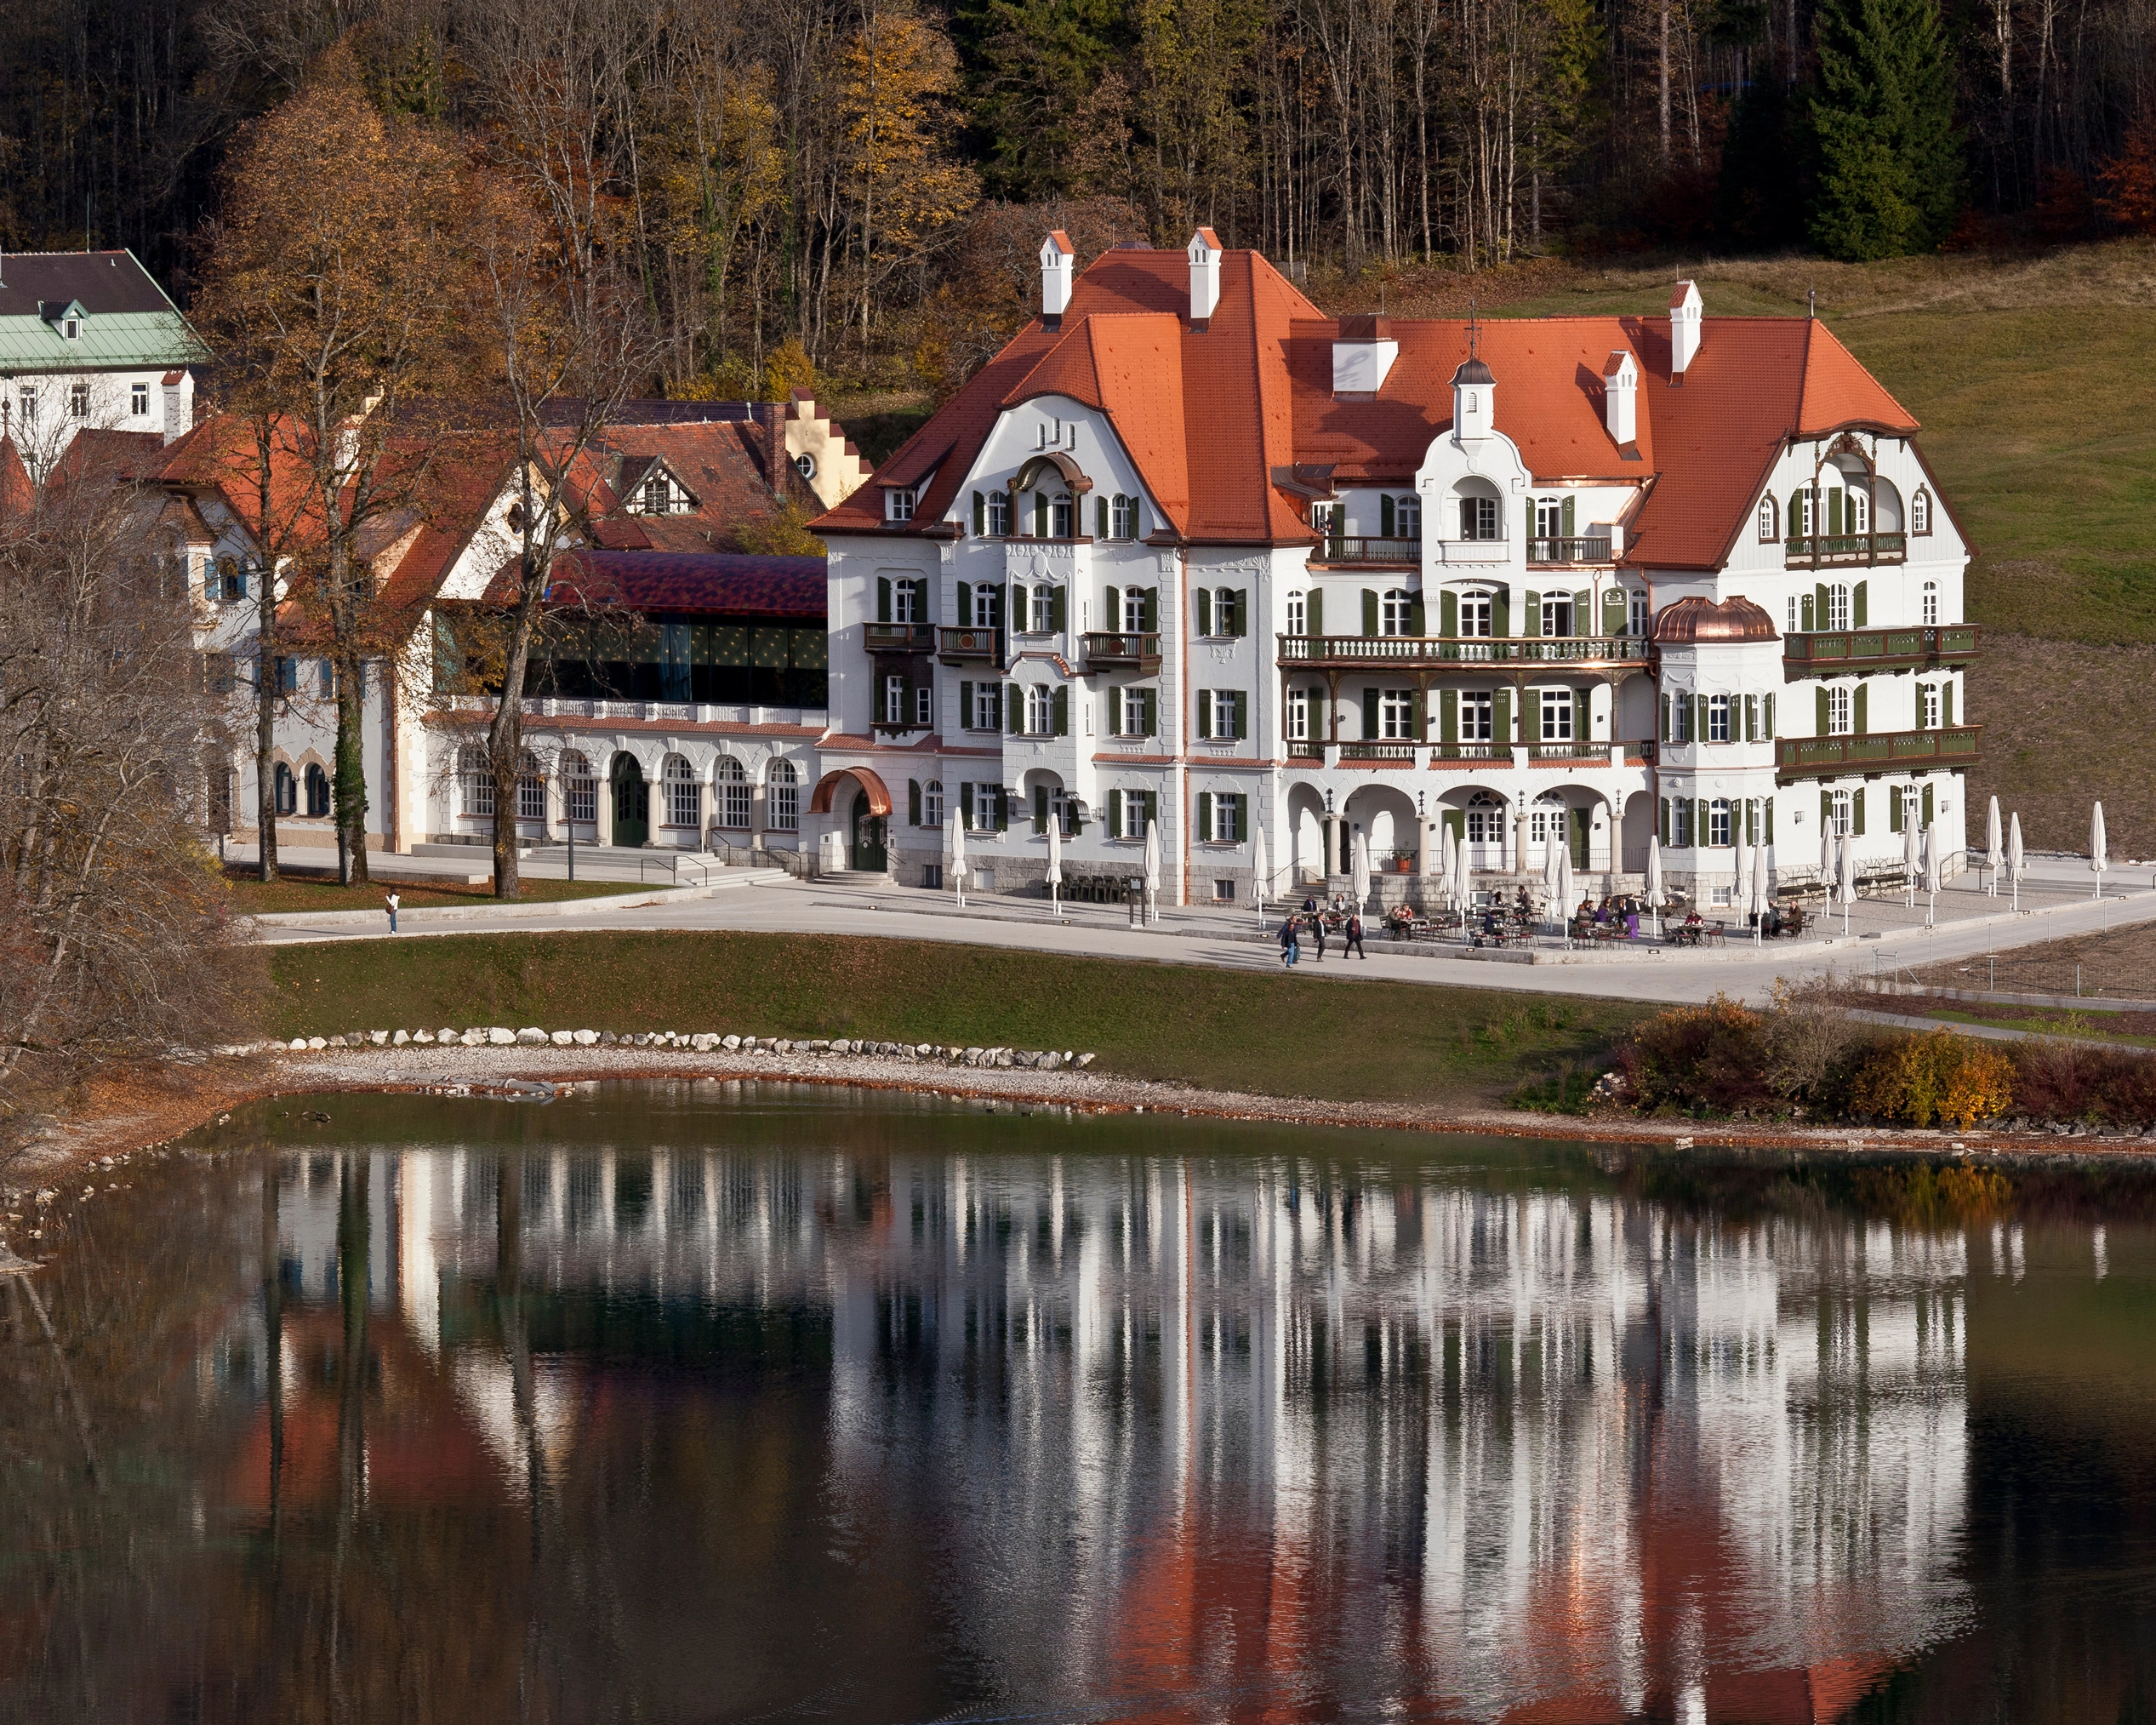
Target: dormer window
x,y
804,465
898,503
1920,512
1770,528
72,328
658,495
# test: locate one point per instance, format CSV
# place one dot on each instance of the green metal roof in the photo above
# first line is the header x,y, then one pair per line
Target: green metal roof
x,y
126,322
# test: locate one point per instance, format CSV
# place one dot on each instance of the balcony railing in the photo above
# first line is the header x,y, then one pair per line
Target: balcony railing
x,y
1471,751
1825,550
900,638
1411,650
1877,751
1347,553
953,645
1575,750
1402,752
1877,649
1585,550
1106,651
1304,749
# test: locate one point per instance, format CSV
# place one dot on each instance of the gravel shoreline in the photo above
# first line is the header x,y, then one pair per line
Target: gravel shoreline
x,y
184,1097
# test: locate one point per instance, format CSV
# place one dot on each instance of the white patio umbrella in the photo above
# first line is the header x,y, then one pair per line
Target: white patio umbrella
x,y
1153,871
1654,894
2098,861
1458,855
1993,855
1932,873
955,827
2014,857
1762,893
1848,878
1911,850
1826,853
1555,906
1740,863
1565,889
1520,843
1257,881
1359,882
1055,858
1449,864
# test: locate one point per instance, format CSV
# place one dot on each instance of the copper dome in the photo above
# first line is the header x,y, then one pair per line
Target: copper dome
x,y
1693,621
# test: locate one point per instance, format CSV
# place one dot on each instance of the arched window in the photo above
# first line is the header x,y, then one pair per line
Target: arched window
x,y
1486,819
286,790
1407,516
1920,512
579,790
1770,521
1718,828
317,791
931,798
476,783
1837,617
1931,601
531,788
1062,523
1397,613
999,513
1841,816
1123,517
733,780
1857,510
684,795
1299,613
782,798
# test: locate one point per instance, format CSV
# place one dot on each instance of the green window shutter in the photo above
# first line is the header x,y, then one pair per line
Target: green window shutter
x,y
1385,517
1833,509
1767,719
1369,715
1699,718
1151,619
1794,519
1751,718
1202,613
1826,809
1857,707
966,807
1059,609
1702,834
1665,718
1860,605
913,792
1613,613
1856,812
1002,809
1039,515
1501,612
1807,618
1242,612
1115,617
980,514
1152,712
1205,712
1501,720
883,598
1927,805
965,604
1152,806
964,707
1769,837
1021,619
1100,518
1013,708
1946,703
1530,502
1369,610
1112,702
1916,690
1819,605
1665,821
1582,716
1205,815
1317,610
1534,613
1242,713
1059,703
1114,815
1458,820
1448,715
1416,623
1565,517
1894,808
1448,614
1040,810
1583,612
1820,730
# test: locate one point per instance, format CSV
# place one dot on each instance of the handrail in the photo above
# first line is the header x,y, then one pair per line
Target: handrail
x,y
1956,744
917,638
1583,548
1846,645
1355,548
1365,750
1409,649
670,862
1822,551
971,644
1126,645
1574,751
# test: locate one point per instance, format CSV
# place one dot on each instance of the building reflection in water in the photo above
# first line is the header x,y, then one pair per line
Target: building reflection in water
x,y
1289,1436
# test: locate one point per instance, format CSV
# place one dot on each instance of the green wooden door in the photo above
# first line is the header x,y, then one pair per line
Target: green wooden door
x,y
868,836
632,802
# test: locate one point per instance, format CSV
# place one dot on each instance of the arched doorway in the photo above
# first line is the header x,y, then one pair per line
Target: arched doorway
x,y
632,802
867,851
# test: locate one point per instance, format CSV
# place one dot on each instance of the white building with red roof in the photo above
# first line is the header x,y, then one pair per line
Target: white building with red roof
x,y
1188,551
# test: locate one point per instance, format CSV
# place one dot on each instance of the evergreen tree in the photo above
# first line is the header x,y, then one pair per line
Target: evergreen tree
x,y
1890,162
1766,169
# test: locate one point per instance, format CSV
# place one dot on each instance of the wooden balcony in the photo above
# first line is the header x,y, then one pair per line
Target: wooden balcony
x,y
1560,552
900,638
1342,552
1830,654
1125,652
1878,752
959,646
1456,653
1836,550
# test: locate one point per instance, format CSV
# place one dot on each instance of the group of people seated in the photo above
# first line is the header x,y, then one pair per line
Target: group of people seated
x,y
1618,912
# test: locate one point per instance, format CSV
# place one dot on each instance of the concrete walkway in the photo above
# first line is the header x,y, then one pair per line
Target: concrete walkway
x,y
1224,937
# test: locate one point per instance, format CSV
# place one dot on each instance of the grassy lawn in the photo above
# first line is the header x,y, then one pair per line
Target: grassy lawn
x,y
251,897
2137,1029
1280,1034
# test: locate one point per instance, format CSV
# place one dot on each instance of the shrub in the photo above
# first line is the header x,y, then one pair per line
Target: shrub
x,y
2058,1079
1569,1090
1712,1058
1939,1075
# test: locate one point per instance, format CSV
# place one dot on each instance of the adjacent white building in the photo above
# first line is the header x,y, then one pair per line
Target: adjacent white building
x,y
1189,552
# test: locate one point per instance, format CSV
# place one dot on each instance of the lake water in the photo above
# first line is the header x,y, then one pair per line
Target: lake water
x,y
702,1401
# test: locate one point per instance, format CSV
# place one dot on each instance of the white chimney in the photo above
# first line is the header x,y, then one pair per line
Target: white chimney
x,y
1684,327
1621,397
1057,263
1204,253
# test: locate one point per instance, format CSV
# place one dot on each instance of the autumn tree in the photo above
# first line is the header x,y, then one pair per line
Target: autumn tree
x,y
327,281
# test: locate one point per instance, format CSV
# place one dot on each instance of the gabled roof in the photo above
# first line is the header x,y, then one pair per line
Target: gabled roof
x,y
127,320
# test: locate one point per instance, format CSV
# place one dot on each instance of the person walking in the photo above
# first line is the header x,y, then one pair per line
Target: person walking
x,y
390,901
1290,949
1317,934
1354,938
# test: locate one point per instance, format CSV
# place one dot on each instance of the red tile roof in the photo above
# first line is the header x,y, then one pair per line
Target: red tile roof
x,y
1210,415
709,584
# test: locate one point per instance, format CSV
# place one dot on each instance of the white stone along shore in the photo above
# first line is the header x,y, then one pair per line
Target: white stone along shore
x,y
680,1041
